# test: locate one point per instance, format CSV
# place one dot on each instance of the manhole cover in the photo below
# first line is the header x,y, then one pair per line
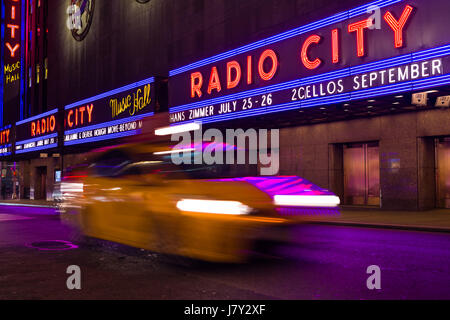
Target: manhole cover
x,y
53,245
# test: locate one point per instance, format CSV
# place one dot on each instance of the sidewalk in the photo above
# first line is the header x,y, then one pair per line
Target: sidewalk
x,y
27,203
437,220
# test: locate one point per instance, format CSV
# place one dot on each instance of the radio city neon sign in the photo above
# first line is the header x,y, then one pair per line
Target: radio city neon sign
x,y
4,136
235,72
79,116
13,28
43,126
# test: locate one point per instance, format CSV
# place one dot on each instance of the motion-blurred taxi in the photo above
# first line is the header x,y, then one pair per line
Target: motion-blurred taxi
x,y
134,195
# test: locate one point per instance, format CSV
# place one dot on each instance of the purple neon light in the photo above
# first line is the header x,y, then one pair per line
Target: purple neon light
x,y
333,99
292,211
339,17
66,245
282,185
345,72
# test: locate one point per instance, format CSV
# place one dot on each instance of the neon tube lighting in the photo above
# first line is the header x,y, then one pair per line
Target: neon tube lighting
x,y
39,116
110,93
102,138
49,146
54,135
349,71
366,93
340,17
111,123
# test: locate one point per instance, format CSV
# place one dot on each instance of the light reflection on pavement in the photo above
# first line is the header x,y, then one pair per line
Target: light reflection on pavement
x,y
324,262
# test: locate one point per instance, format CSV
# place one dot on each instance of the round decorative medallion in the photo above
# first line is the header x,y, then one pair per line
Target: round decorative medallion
x,y
81,16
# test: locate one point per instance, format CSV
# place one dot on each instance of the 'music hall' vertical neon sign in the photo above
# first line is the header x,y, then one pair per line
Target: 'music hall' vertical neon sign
x,y
11,64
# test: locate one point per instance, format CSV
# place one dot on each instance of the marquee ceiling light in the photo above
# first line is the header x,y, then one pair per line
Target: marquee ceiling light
x,y
177,129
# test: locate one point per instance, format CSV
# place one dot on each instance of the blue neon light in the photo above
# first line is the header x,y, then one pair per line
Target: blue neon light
x,y
103,138
2,55
22,57
111,123
364,8
368,67
339,98
5,128
112,92
6,153
49,146
286,35
54,135
39,116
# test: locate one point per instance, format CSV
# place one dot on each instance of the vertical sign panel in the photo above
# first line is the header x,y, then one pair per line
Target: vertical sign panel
x,y
11,30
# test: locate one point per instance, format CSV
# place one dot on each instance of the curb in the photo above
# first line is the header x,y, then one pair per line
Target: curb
x,y
9,204
383,226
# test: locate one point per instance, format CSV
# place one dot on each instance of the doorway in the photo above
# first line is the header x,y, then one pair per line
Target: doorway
x,y
362,174
443,172
40,185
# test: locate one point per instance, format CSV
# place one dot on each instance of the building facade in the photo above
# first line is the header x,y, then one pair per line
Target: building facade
x,y
358,89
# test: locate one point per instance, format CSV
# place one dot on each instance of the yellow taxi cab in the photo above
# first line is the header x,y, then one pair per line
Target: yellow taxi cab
x,y
134,195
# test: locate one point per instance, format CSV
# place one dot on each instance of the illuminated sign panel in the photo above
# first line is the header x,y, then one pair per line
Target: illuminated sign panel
x,y
38,133
11,34
338,59
114,114
5,141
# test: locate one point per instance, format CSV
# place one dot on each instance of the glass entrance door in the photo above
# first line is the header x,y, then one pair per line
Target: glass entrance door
x,y
362,174
443,172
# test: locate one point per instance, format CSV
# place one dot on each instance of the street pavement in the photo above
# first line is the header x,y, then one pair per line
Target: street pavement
x,y
436,220
323,262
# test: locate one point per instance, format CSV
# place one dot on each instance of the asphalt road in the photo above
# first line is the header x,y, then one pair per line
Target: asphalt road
x,y
325,262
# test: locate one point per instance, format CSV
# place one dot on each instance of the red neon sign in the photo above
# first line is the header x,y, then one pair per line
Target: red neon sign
x,y
79,116
13,28
359,27
4,136
268,62
43,126
398,26
214,81
196,84
249,70
268,54
233,83
335,45
314,39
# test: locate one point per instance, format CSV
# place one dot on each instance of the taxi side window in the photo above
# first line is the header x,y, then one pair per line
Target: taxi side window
x,y
130,170
110,164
